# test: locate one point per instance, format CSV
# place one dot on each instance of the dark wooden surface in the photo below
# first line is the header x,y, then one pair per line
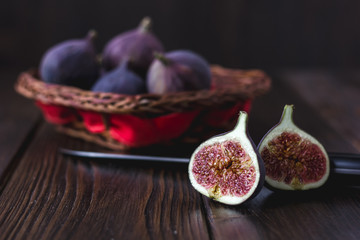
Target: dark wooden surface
x,y
237,33
45,195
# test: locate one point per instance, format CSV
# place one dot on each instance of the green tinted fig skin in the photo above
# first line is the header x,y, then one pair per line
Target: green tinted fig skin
x,y
72,62
120,80
136,45
180,70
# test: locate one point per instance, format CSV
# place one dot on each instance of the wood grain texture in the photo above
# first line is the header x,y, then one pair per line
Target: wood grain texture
x,y
267,110
235,33
18,117
63,198
49,196
326,214
335,95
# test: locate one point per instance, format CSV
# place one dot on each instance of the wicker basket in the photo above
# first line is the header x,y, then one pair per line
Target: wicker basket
x,y
121,122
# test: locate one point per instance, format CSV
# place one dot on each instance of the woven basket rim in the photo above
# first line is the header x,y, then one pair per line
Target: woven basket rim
x,y
231,86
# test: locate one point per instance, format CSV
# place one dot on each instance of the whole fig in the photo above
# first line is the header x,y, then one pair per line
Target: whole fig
x,y
294,160
136,45
72,62
179,70
120,80
227,168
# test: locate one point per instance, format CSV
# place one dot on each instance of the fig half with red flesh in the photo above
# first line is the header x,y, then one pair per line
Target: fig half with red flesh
x,y
294,160
227,167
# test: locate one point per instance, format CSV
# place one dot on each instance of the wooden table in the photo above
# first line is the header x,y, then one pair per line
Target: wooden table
x,y
45,195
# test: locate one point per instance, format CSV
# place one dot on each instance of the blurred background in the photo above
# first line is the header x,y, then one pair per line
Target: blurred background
x,y
236,33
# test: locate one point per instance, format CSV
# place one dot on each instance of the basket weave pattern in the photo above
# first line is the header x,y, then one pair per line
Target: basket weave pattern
x,y
229,88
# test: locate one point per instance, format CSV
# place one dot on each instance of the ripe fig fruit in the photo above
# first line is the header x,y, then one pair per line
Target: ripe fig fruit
x,y
120,80
136,45
227,168
294,160
72,62
180,70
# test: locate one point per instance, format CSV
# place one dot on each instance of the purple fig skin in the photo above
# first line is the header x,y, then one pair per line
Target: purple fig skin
x,y
120,80
72,62
180,70
136,46
261,170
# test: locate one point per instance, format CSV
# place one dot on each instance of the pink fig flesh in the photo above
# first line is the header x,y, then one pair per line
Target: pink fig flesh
x,y
290,158
224,167
227,167
293,159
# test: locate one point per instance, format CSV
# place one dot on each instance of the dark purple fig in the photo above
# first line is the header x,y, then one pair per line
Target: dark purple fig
x,y
180,70
294,160
120,80
72,62
227,168
136,46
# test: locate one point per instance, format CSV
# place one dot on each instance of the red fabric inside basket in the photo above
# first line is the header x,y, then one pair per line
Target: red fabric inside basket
x,y
56,114
135,131
93,121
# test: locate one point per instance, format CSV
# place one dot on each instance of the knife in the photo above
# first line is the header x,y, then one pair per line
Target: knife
x,y
121,156
341,163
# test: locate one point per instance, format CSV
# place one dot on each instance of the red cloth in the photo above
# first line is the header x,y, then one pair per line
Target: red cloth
x,y
135,131
56,114
173,125
93,121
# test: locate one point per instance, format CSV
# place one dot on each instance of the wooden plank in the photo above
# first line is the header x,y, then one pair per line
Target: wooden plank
x,y
237,33
50,196
335,95
266,112
315,215
18,117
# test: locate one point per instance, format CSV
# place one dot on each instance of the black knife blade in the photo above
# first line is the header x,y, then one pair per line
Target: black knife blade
x,y
121,156
341,163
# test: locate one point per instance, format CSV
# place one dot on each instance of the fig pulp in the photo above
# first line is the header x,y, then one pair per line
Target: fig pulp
x,y
120,80
294,160
227,167
72,62
136,45
176,71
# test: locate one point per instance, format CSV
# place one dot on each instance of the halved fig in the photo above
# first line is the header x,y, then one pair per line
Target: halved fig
x,y
294,160
227,167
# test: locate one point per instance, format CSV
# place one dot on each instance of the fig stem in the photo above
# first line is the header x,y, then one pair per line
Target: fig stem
x,y
287,113
242,122
161,57
91,35
124,64
145,24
